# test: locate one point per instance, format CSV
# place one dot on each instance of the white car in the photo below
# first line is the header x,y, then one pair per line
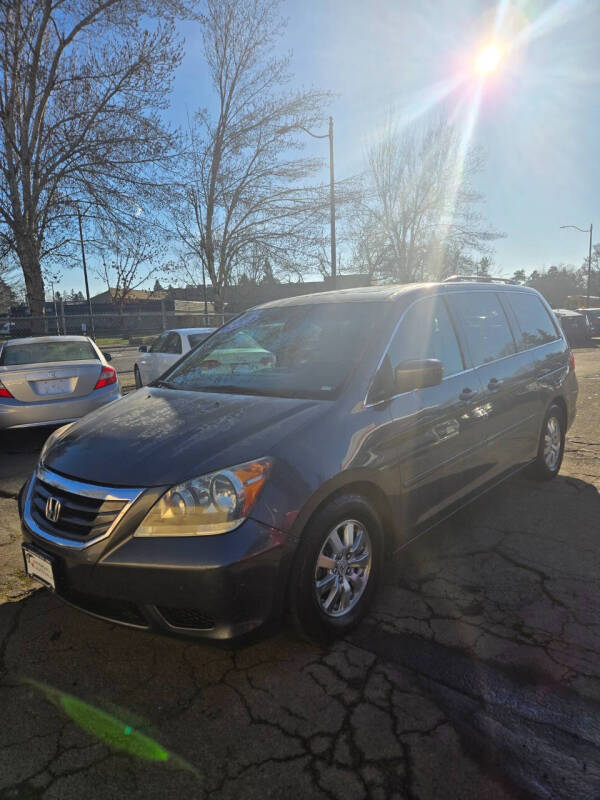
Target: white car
x,y
6,328
166,350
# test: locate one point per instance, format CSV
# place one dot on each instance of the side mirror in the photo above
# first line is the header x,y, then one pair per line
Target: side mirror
x,y
143,348
418,374
107,356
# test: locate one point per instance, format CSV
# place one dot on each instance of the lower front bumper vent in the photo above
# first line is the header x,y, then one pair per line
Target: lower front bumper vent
x,y
186,618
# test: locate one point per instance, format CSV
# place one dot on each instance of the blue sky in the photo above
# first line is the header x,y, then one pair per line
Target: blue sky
x,y
539,118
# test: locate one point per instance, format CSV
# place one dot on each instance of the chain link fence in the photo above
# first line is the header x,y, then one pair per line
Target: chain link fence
x,y
130,326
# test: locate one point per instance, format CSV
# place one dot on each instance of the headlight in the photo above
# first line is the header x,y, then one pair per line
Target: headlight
x,y
51,439
210,504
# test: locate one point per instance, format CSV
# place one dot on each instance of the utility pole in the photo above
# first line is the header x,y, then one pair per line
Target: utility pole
x,y
87,288
589,275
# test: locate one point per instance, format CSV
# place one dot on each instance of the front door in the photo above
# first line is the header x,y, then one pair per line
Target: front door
x,y
166,352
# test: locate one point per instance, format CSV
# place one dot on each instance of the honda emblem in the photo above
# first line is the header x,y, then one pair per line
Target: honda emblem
x,y
53,509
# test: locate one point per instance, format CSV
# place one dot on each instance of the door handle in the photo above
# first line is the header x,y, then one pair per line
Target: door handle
x,y
494,384
468,394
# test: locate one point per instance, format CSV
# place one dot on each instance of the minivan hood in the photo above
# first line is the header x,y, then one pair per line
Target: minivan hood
x,y
156,437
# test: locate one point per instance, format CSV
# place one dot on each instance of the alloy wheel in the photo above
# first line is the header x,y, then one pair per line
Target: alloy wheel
x,y
343,568
552,443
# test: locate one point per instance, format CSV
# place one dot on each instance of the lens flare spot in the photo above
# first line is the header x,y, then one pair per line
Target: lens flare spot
x,y
112,731
488,59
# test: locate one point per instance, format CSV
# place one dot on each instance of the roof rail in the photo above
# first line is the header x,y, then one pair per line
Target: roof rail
x,y
475,279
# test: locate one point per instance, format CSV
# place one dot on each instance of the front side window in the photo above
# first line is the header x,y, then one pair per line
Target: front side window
x,y
484,324
535,324
427,332
291,351
46,352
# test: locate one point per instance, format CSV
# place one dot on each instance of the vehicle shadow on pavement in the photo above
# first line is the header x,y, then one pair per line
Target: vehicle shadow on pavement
x,y
497,613
477,674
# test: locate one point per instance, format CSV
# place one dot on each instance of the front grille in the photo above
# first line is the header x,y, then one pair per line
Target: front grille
x,y
81,518
186,618
115,610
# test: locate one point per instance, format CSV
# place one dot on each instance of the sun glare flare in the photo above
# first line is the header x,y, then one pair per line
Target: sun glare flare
x,y
488,59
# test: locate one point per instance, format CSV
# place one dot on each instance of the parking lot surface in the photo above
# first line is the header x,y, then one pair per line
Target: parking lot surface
x,y
477,674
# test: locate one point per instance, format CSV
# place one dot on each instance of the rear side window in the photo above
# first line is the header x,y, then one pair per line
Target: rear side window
x,y
534,321
427,332
172,344
484,325
46,352
196,338
158,343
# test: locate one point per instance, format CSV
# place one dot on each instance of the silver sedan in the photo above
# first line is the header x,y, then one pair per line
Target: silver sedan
x,y
48,380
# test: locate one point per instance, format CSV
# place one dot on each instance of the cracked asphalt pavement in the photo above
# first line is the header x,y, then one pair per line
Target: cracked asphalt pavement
x,y
476,675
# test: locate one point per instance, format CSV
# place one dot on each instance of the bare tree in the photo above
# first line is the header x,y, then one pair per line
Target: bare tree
x,y
82,84
129,261
245,189
419,217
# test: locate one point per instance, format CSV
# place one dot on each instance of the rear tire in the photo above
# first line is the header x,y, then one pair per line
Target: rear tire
x,y
551,447
138,378
336,569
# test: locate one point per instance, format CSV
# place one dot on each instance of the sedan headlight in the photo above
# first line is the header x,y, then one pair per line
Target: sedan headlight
x,y
215,503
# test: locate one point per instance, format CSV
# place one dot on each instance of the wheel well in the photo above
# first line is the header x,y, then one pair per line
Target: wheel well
x,y
560,402
376,497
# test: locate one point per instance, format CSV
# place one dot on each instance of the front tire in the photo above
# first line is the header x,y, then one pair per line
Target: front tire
x,y
138,378
336,569
551,448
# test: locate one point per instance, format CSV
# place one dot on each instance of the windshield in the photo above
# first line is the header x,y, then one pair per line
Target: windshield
x,y
45,352
291,351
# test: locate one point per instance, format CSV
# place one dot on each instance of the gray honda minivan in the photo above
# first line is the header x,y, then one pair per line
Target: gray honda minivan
x,y
235,489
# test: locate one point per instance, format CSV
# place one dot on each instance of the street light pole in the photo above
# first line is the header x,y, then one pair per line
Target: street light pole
x,y
87,288
55,308
329,136
589,275
589,268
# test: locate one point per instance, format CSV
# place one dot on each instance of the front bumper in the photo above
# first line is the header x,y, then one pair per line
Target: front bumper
x,y
214,587
15,414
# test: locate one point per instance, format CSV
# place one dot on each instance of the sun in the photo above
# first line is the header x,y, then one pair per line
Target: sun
x,y
488,59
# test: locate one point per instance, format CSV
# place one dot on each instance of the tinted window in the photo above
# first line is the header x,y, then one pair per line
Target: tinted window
x,y
172,344
535,324
297,351
158,343
45,352
484,324
196,338
426,332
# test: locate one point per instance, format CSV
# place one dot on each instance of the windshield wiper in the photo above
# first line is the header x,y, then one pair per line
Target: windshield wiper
x,y
164,384
230,388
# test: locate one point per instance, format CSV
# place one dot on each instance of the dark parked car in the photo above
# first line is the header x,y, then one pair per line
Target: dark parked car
x,y
575,325
593,317
212,501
